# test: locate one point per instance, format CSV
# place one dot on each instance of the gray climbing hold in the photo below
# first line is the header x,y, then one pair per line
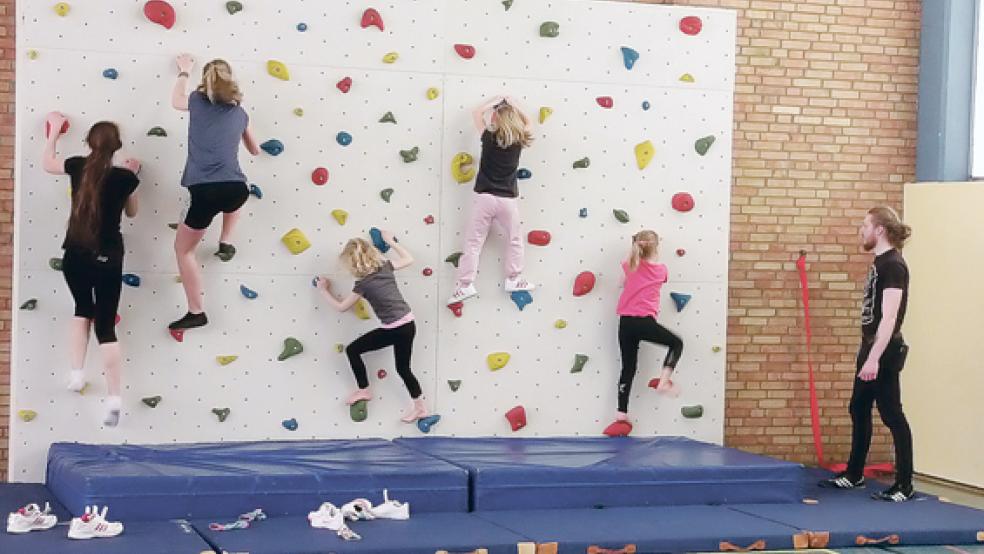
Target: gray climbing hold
x,y
30,304
549,29
507,3
453,259
292,347
387,118
172,226
273,147
703,144
454,384
359,411
234,7
645,105
386,194
692,412
222,413
151,401
583,212
55,263
621,216
111,73
579,361
583,163
157,131
410,155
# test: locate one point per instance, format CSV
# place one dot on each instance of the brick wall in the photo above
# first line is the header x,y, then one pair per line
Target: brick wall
x,y
825,127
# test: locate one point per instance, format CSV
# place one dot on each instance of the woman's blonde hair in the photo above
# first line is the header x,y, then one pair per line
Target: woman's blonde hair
x,y
509,127
361,257
218,83
645,244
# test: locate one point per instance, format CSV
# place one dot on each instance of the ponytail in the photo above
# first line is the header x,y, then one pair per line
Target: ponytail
x,y
218,84
644,245
895,231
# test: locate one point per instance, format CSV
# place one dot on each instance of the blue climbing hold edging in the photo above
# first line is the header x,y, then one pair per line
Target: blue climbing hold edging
x,y
377,240
343,138
629,57
131,280
680,299
524,173
583,212
302,27
111,73
248,292
522,298
425,423
289,424
273,147
255,190
645,105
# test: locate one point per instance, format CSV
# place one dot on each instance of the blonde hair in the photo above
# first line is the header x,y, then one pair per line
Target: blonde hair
x,y
509,127
218,83
645,244
895,231
361,257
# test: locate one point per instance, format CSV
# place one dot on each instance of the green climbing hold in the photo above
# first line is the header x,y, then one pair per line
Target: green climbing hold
x,y
507,3
387,118
56,264
30,304
234,7
151,401
157,132
704,144
692,412
172,226
453,259
549,29
222,413
292,347
583,163
410,155
579,361
454,384
359,411
621,216
299,112
386,194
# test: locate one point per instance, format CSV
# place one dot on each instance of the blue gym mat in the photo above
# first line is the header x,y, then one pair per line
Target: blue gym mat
x,y
588,472
226,479
143,537
421,534
14,496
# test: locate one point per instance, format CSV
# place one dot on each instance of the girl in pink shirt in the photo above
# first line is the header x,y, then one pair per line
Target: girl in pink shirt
x,y
638,307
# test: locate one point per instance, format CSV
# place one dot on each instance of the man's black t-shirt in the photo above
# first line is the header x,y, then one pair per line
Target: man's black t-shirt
x,y
120,184
497,170
888,271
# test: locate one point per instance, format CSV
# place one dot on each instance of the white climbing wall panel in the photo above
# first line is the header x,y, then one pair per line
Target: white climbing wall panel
x,y
60,66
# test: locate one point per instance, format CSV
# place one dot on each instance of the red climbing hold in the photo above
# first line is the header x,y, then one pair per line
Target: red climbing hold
x,y
178,334
319,176
539,238
456,308
118,319
605,101
683,202
429,220
654,382
618,429
691,25
345,84
47,128
160,12
517,418
583,283
681,252
428,272
466,51
381,374
371,18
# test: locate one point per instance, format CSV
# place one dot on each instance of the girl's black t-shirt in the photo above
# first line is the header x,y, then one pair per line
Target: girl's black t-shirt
x,y
497,170
120,184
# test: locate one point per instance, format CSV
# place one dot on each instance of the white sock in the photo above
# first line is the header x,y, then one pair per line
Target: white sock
x,y
114,405
76,380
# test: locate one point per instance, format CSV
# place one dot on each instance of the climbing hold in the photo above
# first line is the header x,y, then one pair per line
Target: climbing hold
x,y
579,361
341,216
691,25
302,27
427,272
344,85
426,423
273,147
454,384
222,413
26,415
226,360
361,309
172,226
429,220
715,349
545,112
117,320
583,212
680,300
645,105
319,176
629,57
47,125
410,155
381,374
359,411
456,308
111,73
605,101
522,298
433,93
516,418
703,144
621,216
644,152
377,240
234,7
295,241
692,412
687,78
278,70
507,3
463,167
466,51
390,57
453,259
560,324
497,360
256,191
654,383
177,334
583,283
131,280
343,138
680,252
292,347
618,429
30,304
549,29
32,54
56,264
151,401
583,163
339,348
683,202
248,292
538,237
386,194
157,131
371,17
62,8
160,12
387,118
299,112
289,424
524,173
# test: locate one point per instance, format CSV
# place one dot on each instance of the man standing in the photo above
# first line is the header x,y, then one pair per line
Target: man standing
x,y
881,356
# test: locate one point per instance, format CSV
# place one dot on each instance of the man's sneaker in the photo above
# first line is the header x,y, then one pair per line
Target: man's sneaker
x,y
391,509
93,524
462,293
360,508
31,518
330,517
895,493
517,283
842,481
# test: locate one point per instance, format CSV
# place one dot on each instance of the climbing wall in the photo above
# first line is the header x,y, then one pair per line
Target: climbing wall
x,y
678,92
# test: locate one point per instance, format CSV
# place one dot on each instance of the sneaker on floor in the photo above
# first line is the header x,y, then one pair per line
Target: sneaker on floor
x,y
93,524
189,321
391,509
31,518
462,293
842,481
225,252
330,517
895,493
359,394
517,283
360,508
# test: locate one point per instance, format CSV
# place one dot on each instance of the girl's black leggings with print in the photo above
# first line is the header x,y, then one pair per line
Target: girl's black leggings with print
x,y
631,331
401,339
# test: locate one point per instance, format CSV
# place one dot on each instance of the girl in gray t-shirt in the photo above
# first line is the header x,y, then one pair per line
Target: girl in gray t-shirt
x,y
376,283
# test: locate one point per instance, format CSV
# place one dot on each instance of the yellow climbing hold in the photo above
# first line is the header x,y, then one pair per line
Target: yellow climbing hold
x,y
226,360
361,310
278,70
62,8
715,349
545,112
560,324
497,360
687,78
433,93
390,57
299,112
463,167
644,152
32,54
295,241
341,216
339,348
27,415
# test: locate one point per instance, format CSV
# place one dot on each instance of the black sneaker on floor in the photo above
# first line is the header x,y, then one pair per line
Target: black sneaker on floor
x,y
895,493
842,481
226,251
189,321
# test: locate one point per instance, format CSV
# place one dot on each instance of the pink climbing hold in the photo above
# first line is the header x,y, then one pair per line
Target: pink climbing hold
x,y
344,85
517,418
456,308
583,283
371,18
691,25
118,319
160,12
538,237
605,101
683,202
429,220
466,51
427,272
680,252
618,429
381,374
178,334
319,176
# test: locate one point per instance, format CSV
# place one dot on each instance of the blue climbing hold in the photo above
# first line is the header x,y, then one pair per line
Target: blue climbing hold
x,y
248,292
377,240
522,298
524,173
583,212
302,27
629,57
111,73
680,299
343,138
646,105
273,147
132,280
289,424
425,423
255,190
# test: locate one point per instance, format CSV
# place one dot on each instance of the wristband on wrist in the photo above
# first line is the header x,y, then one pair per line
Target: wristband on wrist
x,y
183,74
